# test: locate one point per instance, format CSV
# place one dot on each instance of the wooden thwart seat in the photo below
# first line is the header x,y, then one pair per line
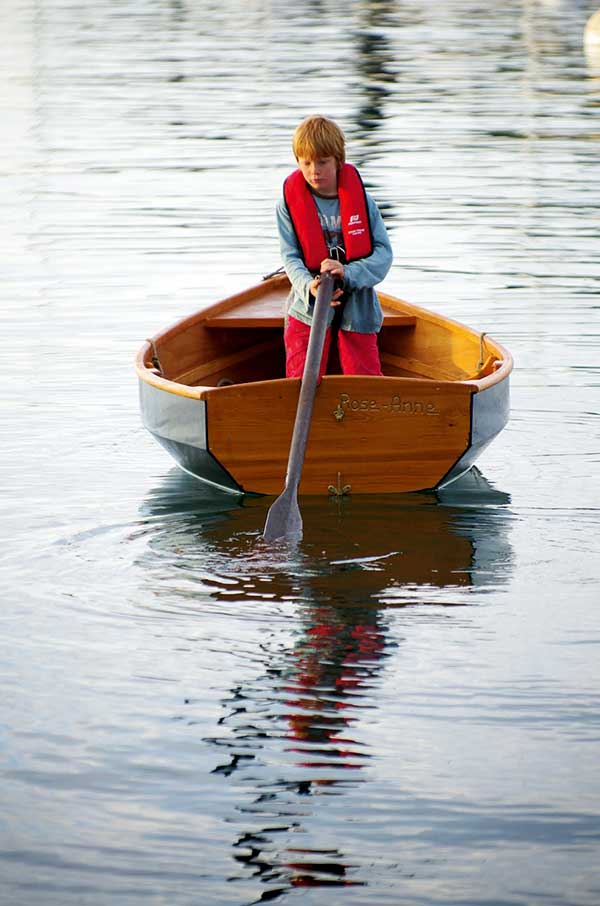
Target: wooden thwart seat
x,y
240,319
259,314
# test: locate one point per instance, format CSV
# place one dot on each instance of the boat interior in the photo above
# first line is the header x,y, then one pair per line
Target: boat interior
x,y
240,340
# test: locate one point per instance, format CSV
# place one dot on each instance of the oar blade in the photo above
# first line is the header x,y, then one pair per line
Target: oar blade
x,y
284,519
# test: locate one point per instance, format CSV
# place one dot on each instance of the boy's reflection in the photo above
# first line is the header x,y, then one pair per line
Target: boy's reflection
x,y
313,701
335,663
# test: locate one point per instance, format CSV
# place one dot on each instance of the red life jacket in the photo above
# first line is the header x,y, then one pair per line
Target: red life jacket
x,y
302,208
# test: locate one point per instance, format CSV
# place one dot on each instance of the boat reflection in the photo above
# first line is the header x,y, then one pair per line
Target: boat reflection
x,y
299,733
362,550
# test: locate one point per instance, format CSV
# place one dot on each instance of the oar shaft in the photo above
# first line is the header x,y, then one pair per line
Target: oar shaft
x,y
284,519
310,378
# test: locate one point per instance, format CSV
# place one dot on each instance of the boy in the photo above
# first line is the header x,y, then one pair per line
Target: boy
x,y
328,222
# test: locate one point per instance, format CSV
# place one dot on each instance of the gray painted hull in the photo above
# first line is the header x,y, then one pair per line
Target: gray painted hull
x,y
490,411
179,424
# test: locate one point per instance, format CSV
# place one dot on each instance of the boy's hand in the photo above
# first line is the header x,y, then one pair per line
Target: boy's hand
x,y
336,269
331,266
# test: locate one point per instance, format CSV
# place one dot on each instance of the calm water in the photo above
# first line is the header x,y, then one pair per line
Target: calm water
x,y
405,709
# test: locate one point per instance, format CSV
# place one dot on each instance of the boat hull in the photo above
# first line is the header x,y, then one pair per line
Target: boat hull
x,y
368,434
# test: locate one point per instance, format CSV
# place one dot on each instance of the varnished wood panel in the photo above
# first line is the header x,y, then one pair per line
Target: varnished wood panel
x,y
457,350
245,364
390,434
188,343
414,367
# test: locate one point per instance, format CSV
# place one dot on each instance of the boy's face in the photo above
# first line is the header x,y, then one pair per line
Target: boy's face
x,y
320,174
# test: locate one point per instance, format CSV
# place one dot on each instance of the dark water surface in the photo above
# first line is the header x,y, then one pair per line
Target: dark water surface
x,y
405,709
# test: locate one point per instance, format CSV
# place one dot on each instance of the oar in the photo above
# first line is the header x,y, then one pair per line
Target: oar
x,y
284,519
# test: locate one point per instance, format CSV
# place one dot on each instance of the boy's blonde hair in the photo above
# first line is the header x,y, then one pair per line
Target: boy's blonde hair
x,y
317,136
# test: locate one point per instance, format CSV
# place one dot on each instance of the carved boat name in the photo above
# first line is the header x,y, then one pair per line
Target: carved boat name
x,y
396,405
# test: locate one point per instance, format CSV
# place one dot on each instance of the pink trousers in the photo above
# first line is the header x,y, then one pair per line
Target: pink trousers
x,y
358,351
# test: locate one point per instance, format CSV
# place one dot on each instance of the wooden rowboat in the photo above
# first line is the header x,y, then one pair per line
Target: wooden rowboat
x,y
213,393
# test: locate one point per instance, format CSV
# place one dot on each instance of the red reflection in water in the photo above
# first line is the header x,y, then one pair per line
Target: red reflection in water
x,y
327,678
334,662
